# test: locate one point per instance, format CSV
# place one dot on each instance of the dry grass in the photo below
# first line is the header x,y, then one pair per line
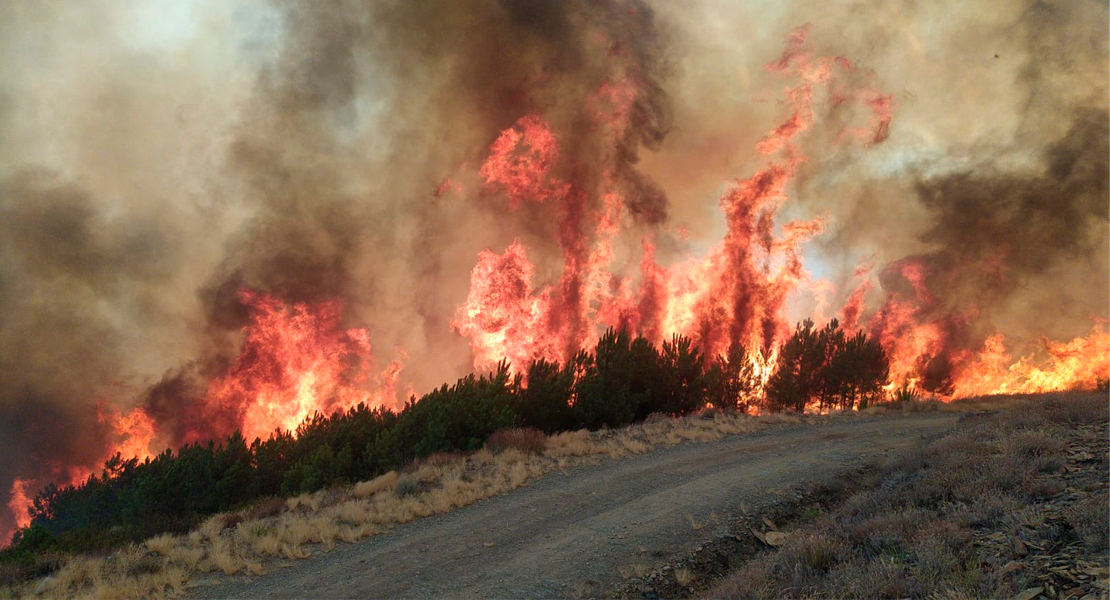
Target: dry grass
x,y
528,440
294,528
924,530
684,577
365,489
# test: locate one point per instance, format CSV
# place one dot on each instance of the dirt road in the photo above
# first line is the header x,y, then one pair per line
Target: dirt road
x,y
564,530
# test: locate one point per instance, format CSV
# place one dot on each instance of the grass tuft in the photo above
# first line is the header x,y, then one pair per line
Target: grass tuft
x,y
527,440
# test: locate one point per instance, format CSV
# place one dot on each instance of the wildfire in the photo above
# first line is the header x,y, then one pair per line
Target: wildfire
x,y
1061,366
736,293
296,360
20,503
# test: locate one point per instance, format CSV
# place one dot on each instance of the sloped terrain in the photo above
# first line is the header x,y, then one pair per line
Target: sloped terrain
x,y
584,531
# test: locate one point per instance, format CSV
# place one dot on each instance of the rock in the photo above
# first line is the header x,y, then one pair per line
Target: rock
x,y
774,538
759,536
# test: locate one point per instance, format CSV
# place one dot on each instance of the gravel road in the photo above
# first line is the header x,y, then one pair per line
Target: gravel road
x,y
565,531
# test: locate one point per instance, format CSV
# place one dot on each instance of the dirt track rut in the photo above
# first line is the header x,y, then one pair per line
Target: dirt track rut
x,y
551,537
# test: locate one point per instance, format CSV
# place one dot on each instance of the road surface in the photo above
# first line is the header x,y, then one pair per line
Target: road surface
x,y
564,530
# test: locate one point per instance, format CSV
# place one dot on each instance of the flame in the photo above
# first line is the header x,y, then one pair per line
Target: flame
x,y
296,360
1076,364
132,433
20,504
735,294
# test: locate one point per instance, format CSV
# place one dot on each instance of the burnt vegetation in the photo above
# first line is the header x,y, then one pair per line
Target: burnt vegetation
x,y
624,380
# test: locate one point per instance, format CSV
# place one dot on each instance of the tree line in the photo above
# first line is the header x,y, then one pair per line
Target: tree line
x,y
622,381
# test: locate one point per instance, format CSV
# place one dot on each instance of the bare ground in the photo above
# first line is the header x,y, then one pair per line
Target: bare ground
x,y
574,533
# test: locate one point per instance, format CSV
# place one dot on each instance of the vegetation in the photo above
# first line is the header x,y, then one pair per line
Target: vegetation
x,y
622,381
1005,503
829,366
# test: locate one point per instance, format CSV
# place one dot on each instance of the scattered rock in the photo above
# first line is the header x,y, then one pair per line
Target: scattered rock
x,y
1029,594
774,538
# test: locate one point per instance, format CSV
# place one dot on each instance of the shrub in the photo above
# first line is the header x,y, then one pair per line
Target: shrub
x,y
271,506
683,382
904,395
459,417
406,486
545,402
731,380
615,385
525,439
1089,520
827,366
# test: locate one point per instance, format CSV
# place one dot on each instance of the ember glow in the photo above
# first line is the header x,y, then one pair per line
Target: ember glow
x,y
360,213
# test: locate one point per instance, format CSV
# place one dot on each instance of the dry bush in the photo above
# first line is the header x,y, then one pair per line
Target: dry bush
x,y
352,512
528,440
812,551
684,576
570,444
1089,520
186,556
921,405
435,460
162,544
220,556
144,565
304,503
633,570
212,527
76,575
365,489
882,578
1076,408
1032,443
406,486
270,506
886,532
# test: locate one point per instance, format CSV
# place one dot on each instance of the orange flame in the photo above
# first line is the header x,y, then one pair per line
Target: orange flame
x,y
1061,366
20,504
296,360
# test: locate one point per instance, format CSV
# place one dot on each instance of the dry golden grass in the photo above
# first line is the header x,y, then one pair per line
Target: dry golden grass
x,y
633,570
297,527
365,489
684,576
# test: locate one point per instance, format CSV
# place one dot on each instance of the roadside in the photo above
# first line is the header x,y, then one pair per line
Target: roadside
x,y
1010,503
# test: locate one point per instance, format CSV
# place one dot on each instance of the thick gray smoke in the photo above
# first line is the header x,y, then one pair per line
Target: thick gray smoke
x,y
157,157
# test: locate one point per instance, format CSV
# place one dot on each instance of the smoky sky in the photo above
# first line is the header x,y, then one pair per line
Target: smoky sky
x,y
154,159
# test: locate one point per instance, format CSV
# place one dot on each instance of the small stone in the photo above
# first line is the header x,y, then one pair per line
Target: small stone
x,y
774,538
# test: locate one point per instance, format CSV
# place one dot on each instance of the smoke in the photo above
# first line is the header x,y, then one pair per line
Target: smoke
x,y
155,159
